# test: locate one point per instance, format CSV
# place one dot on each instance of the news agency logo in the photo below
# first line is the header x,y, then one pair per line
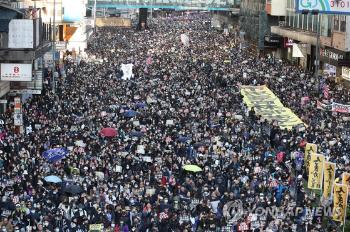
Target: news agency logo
x,y
235,210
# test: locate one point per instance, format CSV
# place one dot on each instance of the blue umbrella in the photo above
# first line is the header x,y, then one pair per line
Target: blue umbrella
x,y
183,139
55,154
140,105
130,113
137,134
53,179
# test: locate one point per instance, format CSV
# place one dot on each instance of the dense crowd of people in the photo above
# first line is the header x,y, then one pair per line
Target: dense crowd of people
x,y
182,106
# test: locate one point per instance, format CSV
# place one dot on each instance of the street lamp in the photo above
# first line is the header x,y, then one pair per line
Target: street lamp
x,y
317,61
54,47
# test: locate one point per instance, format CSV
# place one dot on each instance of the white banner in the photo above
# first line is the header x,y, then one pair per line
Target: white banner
x,y
185,39
18,119
21,33
16,72
296,51
127,71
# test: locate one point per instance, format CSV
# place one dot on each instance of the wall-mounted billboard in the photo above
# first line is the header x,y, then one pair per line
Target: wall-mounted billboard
x,y
16,72
21,33
324,6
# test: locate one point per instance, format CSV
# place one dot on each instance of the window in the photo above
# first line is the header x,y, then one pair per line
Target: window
x,y
295,23
300,26
329,29
305,22
342,23
326,25
336,23
314,23
309,22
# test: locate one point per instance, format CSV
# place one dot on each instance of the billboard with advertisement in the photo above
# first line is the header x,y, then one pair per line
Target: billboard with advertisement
x,y
16,72
21,33
324,6
288,43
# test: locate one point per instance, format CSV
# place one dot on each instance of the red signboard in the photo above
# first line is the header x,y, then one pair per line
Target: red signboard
x,y
288,43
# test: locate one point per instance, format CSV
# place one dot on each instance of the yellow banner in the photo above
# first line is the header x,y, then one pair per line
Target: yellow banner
x,y
315,171
328,179
310,148
340,202
95,227
346,179
269,106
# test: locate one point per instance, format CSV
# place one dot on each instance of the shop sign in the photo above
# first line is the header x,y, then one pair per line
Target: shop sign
x,y
288,43
346,73
330,54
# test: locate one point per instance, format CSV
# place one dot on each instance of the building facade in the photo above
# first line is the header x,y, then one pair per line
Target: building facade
x,y
299,33
256,19
24,39
72,27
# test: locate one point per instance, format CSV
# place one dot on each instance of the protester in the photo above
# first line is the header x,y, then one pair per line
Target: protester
x,y
182,106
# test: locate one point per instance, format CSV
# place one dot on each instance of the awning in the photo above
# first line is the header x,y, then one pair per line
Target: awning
x,y
296,51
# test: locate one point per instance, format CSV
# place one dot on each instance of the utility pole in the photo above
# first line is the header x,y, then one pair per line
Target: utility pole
x,y
95,16
318,34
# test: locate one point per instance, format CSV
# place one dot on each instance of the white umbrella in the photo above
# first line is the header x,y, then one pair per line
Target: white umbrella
x,y
100,175
80,143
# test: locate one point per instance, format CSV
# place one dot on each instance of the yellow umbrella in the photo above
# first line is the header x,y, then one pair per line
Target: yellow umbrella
x,y
192,168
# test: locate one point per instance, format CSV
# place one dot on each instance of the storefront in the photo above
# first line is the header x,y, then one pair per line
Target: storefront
x,y
334,62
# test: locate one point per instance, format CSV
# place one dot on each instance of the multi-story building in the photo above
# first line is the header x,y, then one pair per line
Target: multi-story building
x,y
24,39
299,32
257,17
72,27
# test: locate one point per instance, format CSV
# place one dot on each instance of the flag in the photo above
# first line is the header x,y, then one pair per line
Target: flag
x,y
320,105
328,179
340,202
315,171
310,148
149,60
325,91
55,154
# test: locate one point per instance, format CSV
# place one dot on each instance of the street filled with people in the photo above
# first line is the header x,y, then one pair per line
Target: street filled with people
x,y
171,148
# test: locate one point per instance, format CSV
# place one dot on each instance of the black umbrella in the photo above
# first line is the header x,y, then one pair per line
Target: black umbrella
x,y
73,189
200,144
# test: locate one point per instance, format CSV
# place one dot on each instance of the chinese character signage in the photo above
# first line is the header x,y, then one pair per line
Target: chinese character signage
x,y
315,171
310,148
346,179
328,180
16,72
340,202
324,6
